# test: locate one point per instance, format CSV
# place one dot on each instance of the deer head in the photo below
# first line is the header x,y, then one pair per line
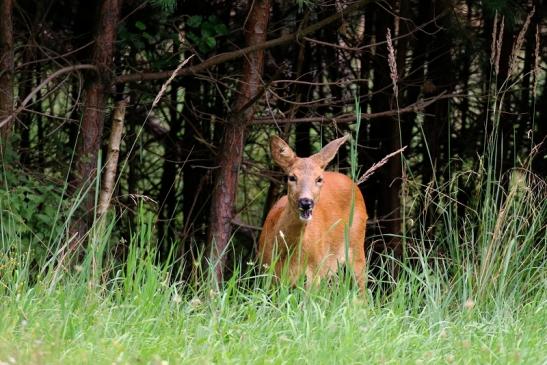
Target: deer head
x,y
304,175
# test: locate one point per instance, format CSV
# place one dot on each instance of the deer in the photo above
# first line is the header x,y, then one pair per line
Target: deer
x,y
304,231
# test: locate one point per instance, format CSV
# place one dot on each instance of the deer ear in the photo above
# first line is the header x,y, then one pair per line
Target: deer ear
x,y
327,153
282,154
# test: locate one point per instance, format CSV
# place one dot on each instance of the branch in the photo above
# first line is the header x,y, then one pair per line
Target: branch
x,y
228,56
37,89
350,117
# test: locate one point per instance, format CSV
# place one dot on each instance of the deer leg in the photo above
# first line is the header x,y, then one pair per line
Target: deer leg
x,y
358,266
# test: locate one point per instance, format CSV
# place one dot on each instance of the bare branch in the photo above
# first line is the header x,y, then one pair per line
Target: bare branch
x,y
37,89
350,117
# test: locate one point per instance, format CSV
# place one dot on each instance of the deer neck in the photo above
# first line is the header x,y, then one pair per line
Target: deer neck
x,y
292,227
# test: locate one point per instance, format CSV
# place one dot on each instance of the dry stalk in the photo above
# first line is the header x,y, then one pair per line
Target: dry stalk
x,y
377,165
536,63
518,44
392,62
498,46
494,37
169,80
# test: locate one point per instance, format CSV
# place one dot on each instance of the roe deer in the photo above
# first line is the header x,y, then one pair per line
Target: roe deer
x,y
304,231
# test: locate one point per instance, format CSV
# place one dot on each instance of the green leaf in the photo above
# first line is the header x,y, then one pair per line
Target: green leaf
x,y
210,41
192,37
138,44
140,25
167,5
207,29
149,38
221,29
203,48
194,21
206,33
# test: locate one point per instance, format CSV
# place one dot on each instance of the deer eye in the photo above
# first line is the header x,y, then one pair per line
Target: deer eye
x,y
291,178
319,180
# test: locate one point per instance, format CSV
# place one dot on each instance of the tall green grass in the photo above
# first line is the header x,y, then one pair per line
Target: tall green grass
x,y
472,290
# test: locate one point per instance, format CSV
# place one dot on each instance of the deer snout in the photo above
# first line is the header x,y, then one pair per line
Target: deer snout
x,y
305,204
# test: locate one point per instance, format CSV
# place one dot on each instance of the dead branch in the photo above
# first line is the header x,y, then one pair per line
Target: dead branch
x,y
350,117
37,89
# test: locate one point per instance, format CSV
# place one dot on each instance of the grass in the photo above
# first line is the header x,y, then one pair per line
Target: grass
x,y
482,304
472,290
78,322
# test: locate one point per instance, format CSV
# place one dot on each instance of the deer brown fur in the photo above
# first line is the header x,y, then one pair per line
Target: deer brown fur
x,y
304,231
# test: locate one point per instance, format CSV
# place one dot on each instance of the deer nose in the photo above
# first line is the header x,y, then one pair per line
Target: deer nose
x,y
305,204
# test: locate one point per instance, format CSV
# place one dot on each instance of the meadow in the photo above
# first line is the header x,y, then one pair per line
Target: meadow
x,y
481,299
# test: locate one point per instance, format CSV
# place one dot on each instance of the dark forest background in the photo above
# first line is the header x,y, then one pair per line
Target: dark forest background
x,y
194,151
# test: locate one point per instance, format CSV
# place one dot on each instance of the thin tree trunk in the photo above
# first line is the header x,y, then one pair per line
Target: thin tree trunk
x,y
539,164
414,78
109,177
91,129
436,123
25,82
302,130
231,149
28,76
6,67
168,189
384,188
525,111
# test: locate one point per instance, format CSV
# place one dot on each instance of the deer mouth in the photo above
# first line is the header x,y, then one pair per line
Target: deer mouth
x,y
305,214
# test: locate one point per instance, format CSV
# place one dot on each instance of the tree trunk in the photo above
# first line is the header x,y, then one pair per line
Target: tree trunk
x,y
539,164
111,166
26,82
231,149
91,129
302,130
383,190
196,169
168,190
436,119
6,68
